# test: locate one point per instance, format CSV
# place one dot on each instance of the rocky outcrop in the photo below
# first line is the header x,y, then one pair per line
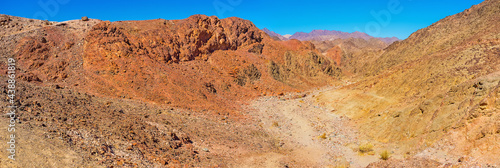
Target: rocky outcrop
x,y
170,41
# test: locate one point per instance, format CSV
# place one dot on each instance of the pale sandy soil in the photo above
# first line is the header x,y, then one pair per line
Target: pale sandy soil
x,y
298,125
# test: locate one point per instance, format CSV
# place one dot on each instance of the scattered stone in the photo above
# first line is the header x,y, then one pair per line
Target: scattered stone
x,y
85,18
257,48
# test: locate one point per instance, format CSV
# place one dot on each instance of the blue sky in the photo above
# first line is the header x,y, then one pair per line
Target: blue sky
x,y
385,18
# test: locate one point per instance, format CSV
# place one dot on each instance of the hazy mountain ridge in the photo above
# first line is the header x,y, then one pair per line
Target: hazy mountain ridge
x,y
328,35
274,34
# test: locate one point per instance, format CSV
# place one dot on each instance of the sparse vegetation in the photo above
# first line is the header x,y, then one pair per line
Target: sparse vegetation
x,y
365,148
341,166
257,49
275,124
274,70
247,75
322,136
384,155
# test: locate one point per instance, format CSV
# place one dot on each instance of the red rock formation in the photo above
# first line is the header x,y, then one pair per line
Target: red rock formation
x,y
94,78
335,53
173,62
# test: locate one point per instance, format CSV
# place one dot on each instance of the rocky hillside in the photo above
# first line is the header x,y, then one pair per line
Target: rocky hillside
x,y
350,51
435,93
199,62
139,92
351,54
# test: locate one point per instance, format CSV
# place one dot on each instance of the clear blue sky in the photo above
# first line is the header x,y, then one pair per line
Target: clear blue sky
x,y
283,17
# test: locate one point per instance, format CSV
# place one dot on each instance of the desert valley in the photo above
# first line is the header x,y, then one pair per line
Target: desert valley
x,y
210,92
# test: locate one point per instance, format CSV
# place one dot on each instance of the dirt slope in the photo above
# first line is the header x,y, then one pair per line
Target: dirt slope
x,y
435,94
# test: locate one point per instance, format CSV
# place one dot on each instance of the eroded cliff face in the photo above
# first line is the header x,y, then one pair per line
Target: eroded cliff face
x,y
170,41
200,62
139,92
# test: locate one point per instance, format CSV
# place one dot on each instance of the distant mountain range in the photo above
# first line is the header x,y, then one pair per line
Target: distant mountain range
x,y
275,35
328,35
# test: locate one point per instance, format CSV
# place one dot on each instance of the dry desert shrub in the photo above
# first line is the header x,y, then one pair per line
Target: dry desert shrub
x,y
384,155
365,148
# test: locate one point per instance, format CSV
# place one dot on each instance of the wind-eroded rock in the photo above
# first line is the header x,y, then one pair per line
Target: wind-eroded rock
x,y
169,41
